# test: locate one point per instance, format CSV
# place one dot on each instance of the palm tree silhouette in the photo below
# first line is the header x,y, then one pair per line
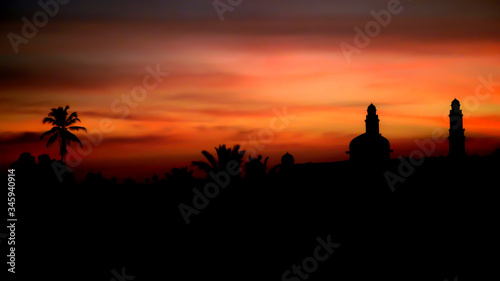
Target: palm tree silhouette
x,y
61,122
182,174
224,156
255,168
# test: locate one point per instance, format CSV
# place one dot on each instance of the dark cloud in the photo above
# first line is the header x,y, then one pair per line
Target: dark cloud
x,y
196,9
133,116
204,128
36,73
77,53
223,98
9,139
235,112
146,139
286,17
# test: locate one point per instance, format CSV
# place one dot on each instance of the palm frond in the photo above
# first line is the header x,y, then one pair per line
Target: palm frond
x,y
210,158
70,137
72,121
73,115
76,128
222,149
51,131
48,120
237,154
52,139
224,152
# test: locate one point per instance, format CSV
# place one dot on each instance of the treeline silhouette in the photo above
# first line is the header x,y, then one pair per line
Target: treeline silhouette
x,y
437,224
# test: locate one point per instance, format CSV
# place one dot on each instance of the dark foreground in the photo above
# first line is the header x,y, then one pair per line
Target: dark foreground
x,y
338,221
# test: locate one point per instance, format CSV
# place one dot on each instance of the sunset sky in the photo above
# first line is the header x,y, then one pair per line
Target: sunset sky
x,y
228,78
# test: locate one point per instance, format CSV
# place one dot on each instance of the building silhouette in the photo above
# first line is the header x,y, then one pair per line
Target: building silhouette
x,y
371,146
457,136
287,160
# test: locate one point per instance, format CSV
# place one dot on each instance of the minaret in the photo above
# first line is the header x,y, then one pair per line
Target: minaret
x,y
370,147
457,136
372,121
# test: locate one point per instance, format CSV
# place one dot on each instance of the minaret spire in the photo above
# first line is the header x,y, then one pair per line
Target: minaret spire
x,y
372,121
457,135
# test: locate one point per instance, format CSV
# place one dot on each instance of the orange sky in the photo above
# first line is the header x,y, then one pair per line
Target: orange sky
x,y
226,79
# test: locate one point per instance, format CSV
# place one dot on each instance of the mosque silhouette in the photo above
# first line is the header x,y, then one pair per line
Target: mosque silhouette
x,y
372,148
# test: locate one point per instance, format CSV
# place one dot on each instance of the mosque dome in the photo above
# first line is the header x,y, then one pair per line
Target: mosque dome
x,y
370,146
365,147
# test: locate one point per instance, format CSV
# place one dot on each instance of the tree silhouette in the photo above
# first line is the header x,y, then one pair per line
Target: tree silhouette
x,y
179,174
255,168
61,123
224,156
